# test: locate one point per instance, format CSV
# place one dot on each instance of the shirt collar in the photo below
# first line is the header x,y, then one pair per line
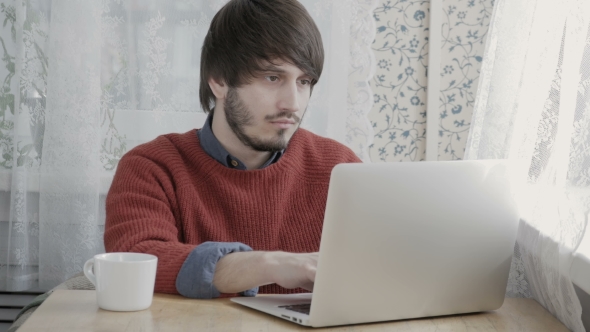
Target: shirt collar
x,y
213,148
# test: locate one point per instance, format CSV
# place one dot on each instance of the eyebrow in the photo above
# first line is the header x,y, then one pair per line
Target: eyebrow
x,y
274,69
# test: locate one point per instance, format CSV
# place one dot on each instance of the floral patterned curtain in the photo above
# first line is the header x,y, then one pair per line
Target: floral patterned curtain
x,y
400,84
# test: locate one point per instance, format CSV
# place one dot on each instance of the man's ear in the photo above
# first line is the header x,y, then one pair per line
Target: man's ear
x,y
219,88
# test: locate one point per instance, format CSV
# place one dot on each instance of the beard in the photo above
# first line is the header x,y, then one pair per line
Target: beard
x,y
238,117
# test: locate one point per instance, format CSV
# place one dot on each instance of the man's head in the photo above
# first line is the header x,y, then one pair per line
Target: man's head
x,y
259,63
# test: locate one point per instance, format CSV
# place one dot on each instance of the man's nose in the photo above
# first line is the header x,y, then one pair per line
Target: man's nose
x,y
289,98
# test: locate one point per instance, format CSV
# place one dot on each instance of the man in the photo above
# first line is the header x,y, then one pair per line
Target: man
x,y
239,203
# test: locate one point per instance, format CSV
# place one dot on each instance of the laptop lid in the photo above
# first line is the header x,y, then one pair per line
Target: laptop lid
x,y
408,240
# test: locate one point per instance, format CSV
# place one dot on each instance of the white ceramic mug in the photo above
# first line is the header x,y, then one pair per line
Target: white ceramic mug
x,y
124,281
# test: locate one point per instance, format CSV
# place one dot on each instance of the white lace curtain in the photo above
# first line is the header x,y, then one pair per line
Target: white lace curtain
x,y
533,106
86,81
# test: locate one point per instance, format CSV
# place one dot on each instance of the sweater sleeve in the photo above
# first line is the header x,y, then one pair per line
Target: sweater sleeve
x,y
142,216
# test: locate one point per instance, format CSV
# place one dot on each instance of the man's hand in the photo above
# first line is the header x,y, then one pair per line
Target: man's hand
x,y
293,270
241,271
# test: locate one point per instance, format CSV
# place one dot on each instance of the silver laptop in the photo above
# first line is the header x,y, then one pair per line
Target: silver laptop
x,y
408,240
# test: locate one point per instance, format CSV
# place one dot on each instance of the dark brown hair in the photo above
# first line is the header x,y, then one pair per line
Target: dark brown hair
x,y
246,32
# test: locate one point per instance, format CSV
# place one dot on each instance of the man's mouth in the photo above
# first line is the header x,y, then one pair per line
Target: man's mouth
x,y
283,123
283,120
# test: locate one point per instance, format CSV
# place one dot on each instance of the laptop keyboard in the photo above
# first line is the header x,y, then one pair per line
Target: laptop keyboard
x,y
301,308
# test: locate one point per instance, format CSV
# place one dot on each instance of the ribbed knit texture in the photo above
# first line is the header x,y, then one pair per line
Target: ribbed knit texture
x,y
168,196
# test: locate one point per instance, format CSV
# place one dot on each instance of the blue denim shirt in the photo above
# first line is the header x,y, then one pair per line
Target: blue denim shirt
x,y
213,147
195,278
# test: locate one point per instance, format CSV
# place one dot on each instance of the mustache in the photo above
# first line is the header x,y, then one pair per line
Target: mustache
x,y
282,115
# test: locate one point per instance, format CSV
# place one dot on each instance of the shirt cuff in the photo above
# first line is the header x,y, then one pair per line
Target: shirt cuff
x,y
195,278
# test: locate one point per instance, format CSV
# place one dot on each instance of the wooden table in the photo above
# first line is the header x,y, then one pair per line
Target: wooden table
x,y
76,310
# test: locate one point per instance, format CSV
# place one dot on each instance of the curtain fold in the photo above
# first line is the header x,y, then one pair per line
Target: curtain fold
x,y
533,107
69,174
86,81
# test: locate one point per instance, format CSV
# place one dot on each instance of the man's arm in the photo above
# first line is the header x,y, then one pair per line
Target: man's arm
x,y
241,271
195,278
140,218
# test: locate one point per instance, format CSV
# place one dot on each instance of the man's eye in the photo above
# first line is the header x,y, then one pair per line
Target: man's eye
x,y
305,82
272,78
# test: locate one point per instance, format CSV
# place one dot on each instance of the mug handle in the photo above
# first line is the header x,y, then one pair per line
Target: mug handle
x,y
88,271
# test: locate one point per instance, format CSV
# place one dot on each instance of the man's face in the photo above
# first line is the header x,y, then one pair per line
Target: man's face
x,y
265,113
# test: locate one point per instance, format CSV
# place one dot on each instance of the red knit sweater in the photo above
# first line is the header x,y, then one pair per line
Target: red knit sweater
x,y
169,195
